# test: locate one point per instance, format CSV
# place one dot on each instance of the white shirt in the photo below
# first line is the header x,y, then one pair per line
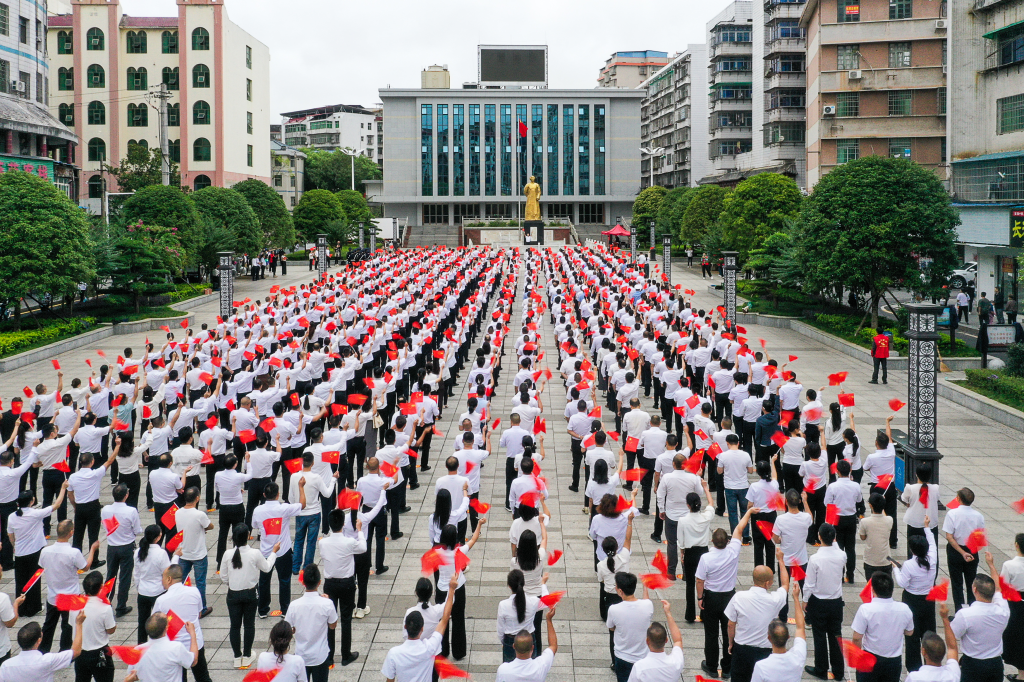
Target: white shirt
x,y
961,522
845,494
526,669
718,568
949,672
253,563
36,666
631,620
735,465
186,603
673,489
913,577
787,667
164,660
431,617
792,530
508,620
413,657
229,484
6,613
606,576
752,611
310,615
128,523
27,530
825,571
694,530
337,553
193,523
883,623
315,485
99,617
658,666
291,670
61,563
979,627
85,483
148,574
165,484
914,516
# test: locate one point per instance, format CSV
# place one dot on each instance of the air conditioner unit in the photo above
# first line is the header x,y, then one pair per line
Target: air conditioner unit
x,y
855,75
21,86
941,24
828,110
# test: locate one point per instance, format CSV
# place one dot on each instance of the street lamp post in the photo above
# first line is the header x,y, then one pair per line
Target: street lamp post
x,y
352,154
652,152
922,390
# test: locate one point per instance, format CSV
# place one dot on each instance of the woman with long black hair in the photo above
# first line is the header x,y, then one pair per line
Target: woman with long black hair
x,y
129,456
517,613
832,436
363,561
531,558
150,562
431,613
917,577
26,527
443,512
851,452
241,571
288,667
454,642
760,494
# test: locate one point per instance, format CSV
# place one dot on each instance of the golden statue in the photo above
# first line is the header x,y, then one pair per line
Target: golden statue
x,y
532,193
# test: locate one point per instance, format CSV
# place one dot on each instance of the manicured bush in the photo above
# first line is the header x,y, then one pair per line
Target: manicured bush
x,y
998,385
1015,359
15,342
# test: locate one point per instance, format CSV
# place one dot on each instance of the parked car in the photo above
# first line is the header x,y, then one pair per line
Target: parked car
x,y
964,274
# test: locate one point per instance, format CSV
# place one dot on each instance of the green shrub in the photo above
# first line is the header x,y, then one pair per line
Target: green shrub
x,y
998,385
14,342
1015,359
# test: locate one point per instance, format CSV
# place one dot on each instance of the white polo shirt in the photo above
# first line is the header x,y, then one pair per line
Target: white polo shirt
x,y
631,620
792,531
186,603
526,669
36,666
979,627
310,615
85,484
99,617
658,666
164,660
883,623
61,563
787,667
718,568
752,611
414,657
193,522
128,523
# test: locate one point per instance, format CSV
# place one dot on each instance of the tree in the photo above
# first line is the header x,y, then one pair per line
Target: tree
x,y
141,167
670,213
45,237
646,205
275,221
169,207
356,208
756,209
227,208
333,170
702,213
216,238
139,261
867,223
316,209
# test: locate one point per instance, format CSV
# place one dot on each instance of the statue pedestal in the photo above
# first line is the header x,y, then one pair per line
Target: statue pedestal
x,y
533,232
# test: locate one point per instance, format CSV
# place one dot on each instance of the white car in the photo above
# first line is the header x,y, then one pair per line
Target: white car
x,y
964,274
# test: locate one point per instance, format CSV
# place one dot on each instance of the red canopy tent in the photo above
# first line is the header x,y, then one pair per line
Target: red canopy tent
x,y
617,231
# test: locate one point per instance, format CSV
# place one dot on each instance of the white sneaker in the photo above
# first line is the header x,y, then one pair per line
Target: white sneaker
x,y
366,611
237,663
358,613
247,661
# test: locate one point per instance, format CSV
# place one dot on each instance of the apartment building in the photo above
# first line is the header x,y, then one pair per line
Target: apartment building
x,y
288,166
876,82
336,126
986,137
108,65
674,121
630,69
730,81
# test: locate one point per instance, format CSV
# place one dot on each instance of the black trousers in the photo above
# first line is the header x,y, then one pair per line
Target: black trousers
x,y
691,558
576,446
362,562
24,568
376,532
145,609
283,568
95,664
200,672
396,503
87,517
744,658
884,364
826,619
52,482
646,482
230,514
456,631
924,621
981,669
256,486
50,628
764,549
886,670
134,483
717,624
242,616
961,576
511,474
6,547
121,563
342,592
846,539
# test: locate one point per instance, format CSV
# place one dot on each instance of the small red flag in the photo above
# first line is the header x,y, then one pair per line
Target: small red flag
x,y
293,466
107,588
837,378
832,514
939,592
28,392
976,540
793,358
660,562
540,425
554,556
431,561
210,423
71,602
247,436
550,600
633,474
866,594
56,364
174,625
111,524
884,481
261,675
655,581
495,424
388,469
777,502
1018,506
207,457
273,526
631,445
1008,591
129,655
779,438
896,405
796,571
767,529
480,507
614,435
349,499
337,409
846,399
32,581
356,399
168,516
857,658
446,669
954,503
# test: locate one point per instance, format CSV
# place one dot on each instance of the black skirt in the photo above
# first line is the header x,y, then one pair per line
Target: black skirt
x,y
1013,636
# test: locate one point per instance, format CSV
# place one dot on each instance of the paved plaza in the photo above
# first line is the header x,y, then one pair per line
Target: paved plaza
x,y
978,453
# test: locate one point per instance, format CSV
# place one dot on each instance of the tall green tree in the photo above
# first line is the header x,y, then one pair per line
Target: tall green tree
x,y
702,212
228,208
756,209
646,205
670,213
167,206
275,221
315,210
868,221
137,263
333,170
141,167
356,208
45,245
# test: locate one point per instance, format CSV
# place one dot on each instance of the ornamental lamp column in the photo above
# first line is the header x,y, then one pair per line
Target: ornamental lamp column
x,y
922,391
226,268
321,254
729,271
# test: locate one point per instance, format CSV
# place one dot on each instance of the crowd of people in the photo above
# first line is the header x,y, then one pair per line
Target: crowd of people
x,y
309,414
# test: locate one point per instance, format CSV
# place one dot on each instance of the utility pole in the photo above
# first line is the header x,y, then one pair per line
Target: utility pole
x,y
162,96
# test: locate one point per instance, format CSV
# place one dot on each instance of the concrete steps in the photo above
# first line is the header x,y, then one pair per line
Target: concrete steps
x,y
432,235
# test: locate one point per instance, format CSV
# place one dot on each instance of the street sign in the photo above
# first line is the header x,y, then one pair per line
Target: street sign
x,y
1001,334
321,254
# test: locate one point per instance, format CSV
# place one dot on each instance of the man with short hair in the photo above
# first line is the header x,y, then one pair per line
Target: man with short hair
x,y
958,525
782,665
274,510
32,665
846,495
307,523
84,494
187,604
733,466
311,616
749,615
61,563
824,585
932,651
672,491
166,660
413,659
121,544
525,667
874,530
193,523
628,622
512,440
95,660
979,627
337,551
879,628
657,666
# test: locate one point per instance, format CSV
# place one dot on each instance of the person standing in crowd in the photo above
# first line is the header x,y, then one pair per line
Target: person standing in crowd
x,y
658,665
734,465
61,563
846,496
271,521
150,562
338,554
241,571
980,627
164,657
958,525
193,523
187,604
84,494
124,520
882,463
526,667
916,577
672,491
95,661
782,665
879,628
10,483
413,659
694,536
287,667
32,664
628,622
933,649
749,615
880,357
311,616
824,585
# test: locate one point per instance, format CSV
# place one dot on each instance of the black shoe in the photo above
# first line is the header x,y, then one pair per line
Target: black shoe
x,y
97,564
645,512
708,669
884,381
656,538
206,612
382,570
813,672
414,486
872,382
425,468
405,510
628,486
350,658
572,489
398,535
119,613
727,676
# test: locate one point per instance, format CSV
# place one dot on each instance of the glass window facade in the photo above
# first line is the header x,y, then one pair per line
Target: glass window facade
x,y
490,160
847,150
599,123
848,57
506,150
553,149
537,143
584,141
458,150
568,149
427,149
442,150
474,150
522,142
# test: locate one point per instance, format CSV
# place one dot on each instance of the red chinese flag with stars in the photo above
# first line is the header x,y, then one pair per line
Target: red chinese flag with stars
x,y
168,517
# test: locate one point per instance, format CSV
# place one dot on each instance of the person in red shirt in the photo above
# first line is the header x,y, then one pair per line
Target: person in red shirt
x,y
880,357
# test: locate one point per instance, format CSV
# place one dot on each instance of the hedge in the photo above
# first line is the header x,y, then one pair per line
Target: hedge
x,y
15,342
998,385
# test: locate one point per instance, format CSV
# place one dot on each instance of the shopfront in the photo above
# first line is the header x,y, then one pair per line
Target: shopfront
x,y
993,237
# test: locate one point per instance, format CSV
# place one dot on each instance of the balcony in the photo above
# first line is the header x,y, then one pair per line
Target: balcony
x,y
900,30
883,126
786,79
910,78
730,133
776,46
731,105
730,49
783,10
723,78
785,115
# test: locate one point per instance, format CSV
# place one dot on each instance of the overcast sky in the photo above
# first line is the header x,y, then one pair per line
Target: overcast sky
x,y
330,52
